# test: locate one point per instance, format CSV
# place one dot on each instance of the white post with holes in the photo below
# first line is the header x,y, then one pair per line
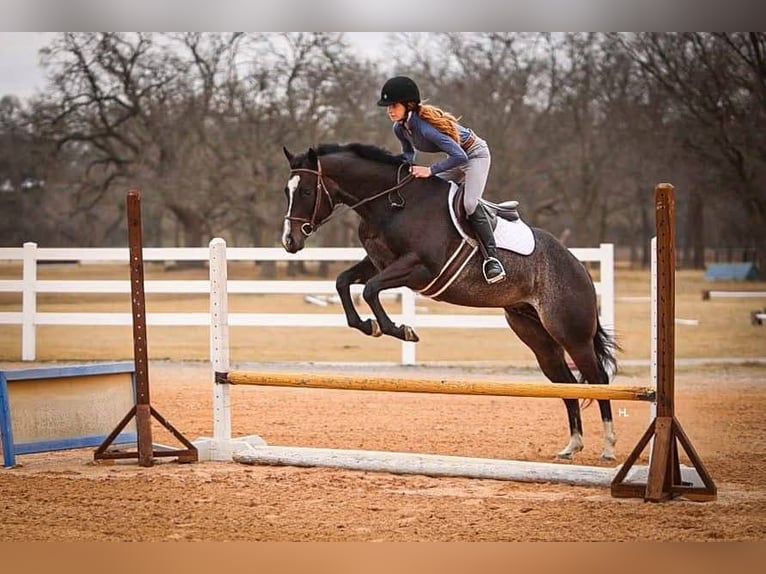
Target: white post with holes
x,y
221,446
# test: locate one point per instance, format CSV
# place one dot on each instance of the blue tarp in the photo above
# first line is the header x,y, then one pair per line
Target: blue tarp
x,y
731,272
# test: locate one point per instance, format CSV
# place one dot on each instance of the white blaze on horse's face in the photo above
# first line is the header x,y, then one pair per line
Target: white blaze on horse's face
x,y
292,186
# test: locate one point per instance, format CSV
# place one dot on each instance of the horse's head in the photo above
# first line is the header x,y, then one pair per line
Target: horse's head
x,y
354,174
309,201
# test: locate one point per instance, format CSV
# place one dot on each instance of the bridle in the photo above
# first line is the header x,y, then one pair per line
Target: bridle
x,y
309,226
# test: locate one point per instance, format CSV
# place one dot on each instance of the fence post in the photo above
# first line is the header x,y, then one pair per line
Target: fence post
x,y
408,318
607,286
29,302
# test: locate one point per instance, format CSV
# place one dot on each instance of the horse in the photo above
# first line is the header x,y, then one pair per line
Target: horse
x,y
406,229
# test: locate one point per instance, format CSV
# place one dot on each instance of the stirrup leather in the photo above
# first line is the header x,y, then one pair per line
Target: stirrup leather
x,y
497,278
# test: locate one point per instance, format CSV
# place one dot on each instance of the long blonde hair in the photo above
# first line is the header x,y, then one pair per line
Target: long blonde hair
x,y
443,121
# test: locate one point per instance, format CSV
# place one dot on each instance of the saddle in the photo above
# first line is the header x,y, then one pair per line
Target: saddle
x,y
512,234
507,210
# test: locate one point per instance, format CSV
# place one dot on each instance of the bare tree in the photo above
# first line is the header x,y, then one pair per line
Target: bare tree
x,y
196,120
716,84
32,207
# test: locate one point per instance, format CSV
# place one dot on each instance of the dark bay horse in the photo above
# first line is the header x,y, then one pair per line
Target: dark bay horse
x,y
548,297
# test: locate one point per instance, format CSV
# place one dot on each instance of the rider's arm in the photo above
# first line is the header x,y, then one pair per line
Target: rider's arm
x,y
455,154
408,152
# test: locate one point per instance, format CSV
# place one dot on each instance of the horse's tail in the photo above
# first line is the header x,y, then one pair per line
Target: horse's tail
x,y
605,345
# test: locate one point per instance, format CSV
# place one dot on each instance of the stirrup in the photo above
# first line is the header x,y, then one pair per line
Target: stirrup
x,y
496,279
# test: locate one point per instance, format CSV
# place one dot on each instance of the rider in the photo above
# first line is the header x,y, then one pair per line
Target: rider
x,y
426,128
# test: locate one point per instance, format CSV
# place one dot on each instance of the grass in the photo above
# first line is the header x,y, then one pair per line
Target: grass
x,y
724,328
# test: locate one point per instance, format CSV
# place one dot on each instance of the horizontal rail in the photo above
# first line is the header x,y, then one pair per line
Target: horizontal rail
x,y
439,386
435,321
176,286
733,295
189,286
121,254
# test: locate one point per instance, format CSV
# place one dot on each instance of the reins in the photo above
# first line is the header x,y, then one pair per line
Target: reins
x,y
309,226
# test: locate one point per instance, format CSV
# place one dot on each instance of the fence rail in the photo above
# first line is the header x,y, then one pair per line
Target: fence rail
x,y
29,286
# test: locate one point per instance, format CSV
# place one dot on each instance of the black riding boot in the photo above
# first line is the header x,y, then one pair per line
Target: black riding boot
x,y
492,268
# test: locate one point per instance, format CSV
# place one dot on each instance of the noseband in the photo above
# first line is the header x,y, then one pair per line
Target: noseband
x,y
309,226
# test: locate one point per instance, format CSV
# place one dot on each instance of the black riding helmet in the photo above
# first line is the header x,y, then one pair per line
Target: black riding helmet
x,y
399,90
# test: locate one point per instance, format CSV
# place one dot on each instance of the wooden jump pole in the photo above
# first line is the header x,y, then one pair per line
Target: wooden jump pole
x,y
440,386
664,478
143,411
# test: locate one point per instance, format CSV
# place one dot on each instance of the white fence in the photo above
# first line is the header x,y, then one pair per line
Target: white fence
x,y
29,286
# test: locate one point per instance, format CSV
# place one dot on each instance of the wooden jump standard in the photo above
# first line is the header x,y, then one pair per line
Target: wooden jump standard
x,y
142,411
664,479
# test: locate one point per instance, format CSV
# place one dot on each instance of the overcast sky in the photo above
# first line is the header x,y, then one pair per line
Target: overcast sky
x,y
21,74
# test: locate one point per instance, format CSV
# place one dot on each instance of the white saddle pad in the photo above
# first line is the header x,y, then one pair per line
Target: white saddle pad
x,y
514,236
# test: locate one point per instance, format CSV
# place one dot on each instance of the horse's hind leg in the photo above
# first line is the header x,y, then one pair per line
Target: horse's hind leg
x,y
550,356
573,328
586,359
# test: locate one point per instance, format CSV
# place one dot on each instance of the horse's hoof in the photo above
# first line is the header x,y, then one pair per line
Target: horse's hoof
x,y
568,453
607,457
410,335
572,448
369,327
375,328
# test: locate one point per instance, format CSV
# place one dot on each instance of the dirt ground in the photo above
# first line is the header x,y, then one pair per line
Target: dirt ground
x,y
64,496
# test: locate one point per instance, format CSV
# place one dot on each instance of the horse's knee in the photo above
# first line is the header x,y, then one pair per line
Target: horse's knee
x,y
343,281
370,292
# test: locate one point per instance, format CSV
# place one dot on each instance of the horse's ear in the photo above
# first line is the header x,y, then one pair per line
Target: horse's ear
x,y
288,155
313,157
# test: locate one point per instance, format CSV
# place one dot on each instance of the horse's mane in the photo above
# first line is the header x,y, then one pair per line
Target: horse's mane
x,y
364,151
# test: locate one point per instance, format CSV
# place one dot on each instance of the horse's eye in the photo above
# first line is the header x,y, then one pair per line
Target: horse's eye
x,y
305,192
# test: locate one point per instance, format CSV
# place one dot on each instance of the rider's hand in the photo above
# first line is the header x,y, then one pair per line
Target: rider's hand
x,y
420,171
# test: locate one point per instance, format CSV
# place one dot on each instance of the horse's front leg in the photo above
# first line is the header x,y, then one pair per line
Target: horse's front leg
x,y
357,273
400,273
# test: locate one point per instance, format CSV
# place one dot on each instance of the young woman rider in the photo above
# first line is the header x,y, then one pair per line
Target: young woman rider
x,y
426,128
